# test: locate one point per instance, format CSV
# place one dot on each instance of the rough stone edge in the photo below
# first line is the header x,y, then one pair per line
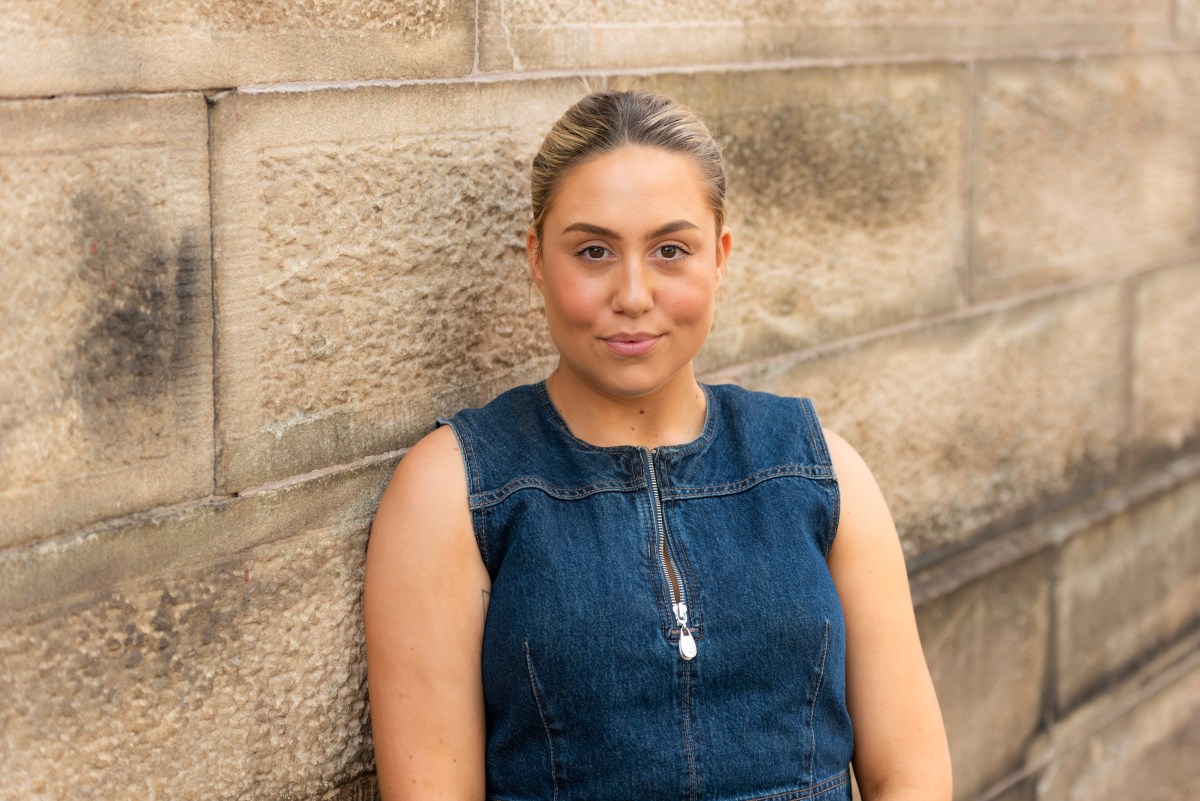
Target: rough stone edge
x,y
946,576
501,47
340,55
1092,717
51,574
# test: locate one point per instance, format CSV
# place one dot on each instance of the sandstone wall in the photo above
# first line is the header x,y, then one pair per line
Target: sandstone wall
x,y
250,251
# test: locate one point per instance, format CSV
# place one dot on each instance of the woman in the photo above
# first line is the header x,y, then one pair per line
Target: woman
x,y
620,583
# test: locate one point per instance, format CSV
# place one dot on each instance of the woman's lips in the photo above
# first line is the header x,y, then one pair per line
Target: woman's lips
x,y
632,344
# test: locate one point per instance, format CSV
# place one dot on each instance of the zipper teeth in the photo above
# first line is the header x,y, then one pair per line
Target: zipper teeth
x,y
673,589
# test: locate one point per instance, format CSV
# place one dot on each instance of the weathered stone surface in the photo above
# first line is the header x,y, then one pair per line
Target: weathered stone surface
x,y
1146,750
986,645
229,666
1168,770
555,34
1125,588
1166,386
1187,20
371,271
845,199
1084,167
1024,790
969,422
113,45
106,346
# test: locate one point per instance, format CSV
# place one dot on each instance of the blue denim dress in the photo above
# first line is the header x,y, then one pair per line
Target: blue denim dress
x,y
663,624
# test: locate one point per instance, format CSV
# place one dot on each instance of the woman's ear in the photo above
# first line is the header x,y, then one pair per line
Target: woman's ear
x,y
533,251
724,246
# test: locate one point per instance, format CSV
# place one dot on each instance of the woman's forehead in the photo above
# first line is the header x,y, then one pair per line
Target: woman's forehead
x,y
634,187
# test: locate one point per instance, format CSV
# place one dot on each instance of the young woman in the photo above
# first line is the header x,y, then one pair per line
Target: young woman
x,y
620,583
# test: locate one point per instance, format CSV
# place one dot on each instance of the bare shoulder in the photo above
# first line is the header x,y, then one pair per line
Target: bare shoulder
x,y
423,525
428,485
860,492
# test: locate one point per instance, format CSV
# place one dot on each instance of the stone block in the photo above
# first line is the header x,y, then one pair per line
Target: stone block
x,y
1126,588
1166,383
371,271
986,644
845,199
1144,746
969,422
106,347
1187,20
571,34
215,653
1083,168
124,45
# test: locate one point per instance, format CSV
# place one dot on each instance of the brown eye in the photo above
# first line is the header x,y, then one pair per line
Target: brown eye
x,y
669,251
594,252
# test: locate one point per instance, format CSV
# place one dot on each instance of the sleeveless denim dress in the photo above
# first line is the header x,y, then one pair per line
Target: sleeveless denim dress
x,y
662,624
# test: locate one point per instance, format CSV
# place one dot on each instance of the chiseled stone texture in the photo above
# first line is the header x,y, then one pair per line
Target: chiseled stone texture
x,y
986,647
116,45
1125,588
1146,752
558,34
1166,386
370,265
970,422
227,666
845,199
1083,167
106,346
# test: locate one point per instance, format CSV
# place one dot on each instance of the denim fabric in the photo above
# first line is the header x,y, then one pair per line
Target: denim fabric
x,y
587,694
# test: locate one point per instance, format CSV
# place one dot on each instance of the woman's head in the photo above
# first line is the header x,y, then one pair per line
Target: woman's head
x,y
627,189
603,122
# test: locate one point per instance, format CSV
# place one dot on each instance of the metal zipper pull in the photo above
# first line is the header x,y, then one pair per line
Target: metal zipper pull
x,y
687,643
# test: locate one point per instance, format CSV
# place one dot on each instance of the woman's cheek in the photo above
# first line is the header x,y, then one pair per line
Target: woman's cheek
x,y
579,303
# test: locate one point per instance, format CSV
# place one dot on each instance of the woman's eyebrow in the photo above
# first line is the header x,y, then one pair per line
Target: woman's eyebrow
x,y
608,233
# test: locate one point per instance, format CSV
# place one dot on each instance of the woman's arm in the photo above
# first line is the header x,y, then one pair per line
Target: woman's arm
x,y
900,750
424,602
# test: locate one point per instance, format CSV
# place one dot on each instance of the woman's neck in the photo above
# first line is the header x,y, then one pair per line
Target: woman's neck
x,y
672,414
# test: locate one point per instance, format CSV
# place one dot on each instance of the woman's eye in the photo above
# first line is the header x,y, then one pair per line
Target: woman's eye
x,y
594,252
672,252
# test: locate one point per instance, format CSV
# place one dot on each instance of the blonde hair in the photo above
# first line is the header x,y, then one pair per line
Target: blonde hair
x,y
603,122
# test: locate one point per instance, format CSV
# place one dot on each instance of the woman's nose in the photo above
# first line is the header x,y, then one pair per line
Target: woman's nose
x,y
634,293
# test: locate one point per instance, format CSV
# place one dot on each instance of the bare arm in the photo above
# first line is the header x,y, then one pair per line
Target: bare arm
x,y
900,750
424,602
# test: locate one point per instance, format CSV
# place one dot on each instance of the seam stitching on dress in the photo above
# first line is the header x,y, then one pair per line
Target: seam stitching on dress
x,y
807,410
812,710
831,783
778,471
495,496
474,484
687,729
537,700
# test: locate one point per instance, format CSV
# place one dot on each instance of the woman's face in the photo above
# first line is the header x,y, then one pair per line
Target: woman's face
x,y
629,266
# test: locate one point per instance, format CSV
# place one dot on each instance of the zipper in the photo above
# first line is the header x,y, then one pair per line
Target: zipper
x,y
687,643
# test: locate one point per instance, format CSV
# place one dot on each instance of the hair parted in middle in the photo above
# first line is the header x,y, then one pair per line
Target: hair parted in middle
x,y
605,121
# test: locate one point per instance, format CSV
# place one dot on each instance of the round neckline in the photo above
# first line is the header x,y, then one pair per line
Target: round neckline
x,y
706,433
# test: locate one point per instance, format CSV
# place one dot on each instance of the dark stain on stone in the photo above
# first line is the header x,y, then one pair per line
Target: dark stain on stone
x,y
867,164
139,286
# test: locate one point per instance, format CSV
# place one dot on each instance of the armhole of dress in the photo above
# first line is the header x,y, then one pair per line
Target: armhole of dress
x,y
821,451
466,451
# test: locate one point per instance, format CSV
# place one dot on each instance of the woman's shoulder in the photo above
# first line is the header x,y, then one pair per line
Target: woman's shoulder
x,y
428,485
854,476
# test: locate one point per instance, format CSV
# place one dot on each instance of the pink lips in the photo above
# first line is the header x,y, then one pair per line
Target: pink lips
x,y
634,344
